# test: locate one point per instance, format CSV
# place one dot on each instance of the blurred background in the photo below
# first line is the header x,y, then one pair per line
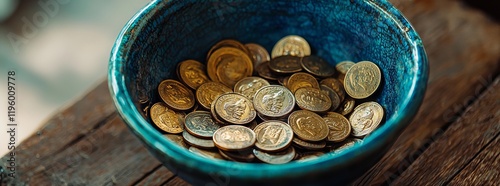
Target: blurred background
x,y
60,50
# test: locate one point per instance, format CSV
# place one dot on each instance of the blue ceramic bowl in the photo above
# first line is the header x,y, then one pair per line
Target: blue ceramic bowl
x,y
167,32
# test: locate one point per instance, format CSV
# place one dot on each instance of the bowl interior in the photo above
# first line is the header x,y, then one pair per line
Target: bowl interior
x,y
166,33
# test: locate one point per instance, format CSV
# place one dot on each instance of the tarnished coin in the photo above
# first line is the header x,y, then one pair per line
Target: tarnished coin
x,y
201,124
336,85
309,145
312,99
334,97
228,43
339,127
275,157
365,118
273,135
177,139
176,95
208,92
166,119
285,64
283,80
249,85
229,65
291,45
317,66
258,53
307,156
347,106
198,142
301,80
206,153
348,143
274,101
234,137
264,71
241,156
308,125
344,66
215,116
235,108
192,73
362,79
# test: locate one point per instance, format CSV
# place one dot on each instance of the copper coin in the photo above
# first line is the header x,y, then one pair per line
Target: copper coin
x,y
166,119
264,71
229,65
301,80
258,53
192,73
228,43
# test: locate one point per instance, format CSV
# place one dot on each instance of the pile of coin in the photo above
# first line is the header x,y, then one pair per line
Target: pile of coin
x,y
293,106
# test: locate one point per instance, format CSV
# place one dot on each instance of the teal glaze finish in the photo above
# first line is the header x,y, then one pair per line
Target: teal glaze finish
x,y
167,32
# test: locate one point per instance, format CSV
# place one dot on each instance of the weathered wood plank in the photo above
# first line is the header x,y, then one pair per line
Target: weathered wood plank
x,y
464,51
460,144
158,176
484,169
177,182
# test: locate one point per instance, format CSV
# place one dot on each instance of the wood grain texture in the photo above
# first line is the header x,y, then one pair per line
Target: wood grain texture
x,y
158,176
176,181
459,145
463,48
484,169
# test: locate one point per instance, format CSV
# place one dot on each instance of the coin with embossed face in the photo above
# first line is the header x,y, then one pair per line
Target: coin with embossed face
x,y
365,118
312,99
200,124
274,101
317,66
206,153
334,97
291,45
228,43
249,85
198,142
229,65
275,157
362,79
235,108
347,106
258,53
264,71
176,95
234,137
192,73
309,145
285,64
339,127
301,80
208,92
166,119
177,139
336,85
273,135
308,125
344,66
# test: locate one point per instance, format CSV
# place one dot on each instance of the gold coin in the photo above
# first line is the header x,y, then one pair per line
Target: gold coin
x,y
336,85
275,157
229,65
249,85
215,116
334,97
205,153
176,95
309,145
235,108
274,101
291,45
258,53
197,142
312,99
264,71
228,43
273,136
301,80
192,73
166,119
317,66
308,125
362,79
178,139
365,118
347,106
339,127
234,137
201,124
208,92
241,156
285,64
344,66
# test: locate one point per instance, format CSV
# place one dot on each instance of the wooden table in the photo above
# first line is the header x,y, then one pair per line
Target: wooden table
x,y
453,140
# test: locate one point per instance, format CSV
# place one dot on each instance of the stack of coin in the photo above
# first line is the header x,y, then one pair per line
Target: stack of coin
x,y
299,108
